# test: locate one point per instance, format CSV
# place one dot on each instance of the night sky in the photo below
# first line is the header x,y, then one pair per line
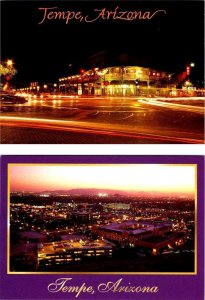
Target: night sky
x,y
44,52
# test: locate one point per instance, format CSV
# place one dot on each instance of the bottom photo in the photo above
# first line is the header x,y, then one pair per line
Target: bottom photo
x,y
102,218
91,216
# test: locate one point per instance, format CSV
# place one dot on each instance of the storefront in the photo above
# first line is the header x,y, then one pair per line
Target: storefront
x,y
117,81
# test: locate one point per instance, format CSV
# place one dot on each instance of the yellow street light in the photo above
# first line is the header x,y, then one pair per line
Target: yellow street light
x,y
45,86
9,63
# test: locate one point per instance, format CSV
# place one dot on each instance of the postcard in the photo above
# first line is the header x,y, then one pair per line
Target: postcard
x,y
102,72
96,227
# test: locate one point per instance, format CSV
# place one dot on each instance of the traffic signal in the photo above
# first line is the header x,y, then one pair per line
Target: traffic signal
x,y
188,70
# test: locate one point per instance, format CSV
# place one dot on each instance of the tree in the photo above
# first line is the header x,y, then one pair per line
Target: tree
x,y
4,70
7,71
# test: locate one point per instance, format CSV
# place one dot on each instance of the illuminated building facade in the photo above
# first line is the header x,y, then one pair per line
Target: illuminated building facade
x,y
116,206
141,234
118,81
65,252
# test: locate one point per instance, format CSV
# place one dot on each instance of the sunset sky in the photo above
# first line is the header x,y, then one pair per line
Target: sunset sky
x,y
133,177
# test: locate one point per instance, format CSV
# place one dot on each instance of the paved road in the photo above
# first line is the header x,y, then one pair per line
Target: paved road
x,y
11,135
103,120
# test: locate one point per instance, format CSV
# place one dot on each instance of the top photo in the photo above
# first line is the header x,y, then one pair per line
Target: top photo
x,y
102,72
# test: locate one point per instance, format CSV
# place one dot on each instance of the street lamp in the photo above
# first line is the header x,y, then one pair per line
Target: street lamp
x,y
82,71
137,81
55,87
9,63
187,84
192,64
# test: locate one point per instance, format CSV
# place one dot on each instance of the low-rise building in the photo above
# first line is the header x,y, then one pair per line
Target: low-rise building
x,y
154,236
116,206
67,251
118,81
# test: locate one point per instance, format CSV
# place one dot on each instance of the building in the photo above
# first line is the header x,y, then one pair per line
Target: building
x,y
116,206
67,251
153,236
118,81
84,215
114,73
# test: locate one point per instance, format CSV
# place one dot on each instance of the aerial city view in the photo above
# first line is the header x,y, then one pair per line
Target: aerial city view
x,y
102,218
82,75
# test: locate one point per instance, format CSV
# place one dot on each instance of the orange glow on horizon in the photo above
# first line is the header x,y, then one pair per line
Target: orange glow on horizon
x,y
133,177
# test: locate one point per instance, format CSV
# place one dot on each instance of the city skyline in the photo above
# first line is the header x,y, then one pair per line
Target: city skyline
x,y
130,178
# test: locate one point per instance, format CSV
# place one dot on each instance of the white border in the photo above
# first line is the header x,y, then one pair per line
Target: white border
x,y
101,149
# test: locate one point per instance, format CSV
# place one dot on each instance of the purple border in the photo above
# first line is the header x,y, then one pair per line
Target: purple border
x,y
177,287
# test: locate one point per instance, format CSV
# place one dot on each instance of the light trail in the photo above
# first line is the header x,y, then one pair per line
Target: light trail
x,y
176,106
104,129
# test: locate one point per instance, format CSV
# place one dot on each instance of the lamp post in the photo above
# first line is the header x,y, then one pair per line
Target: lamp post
x,y
82,71
55,87
187,84
139,80
45,87
9,63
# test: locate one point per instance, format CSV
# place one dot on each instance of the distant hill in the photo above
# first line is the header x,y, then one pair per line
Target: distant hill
x,y
112,192
89,191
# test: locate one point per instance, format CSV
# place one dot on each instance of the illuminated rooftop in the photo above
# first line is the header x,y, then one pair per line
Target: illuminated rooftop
x,y
64,246
133,227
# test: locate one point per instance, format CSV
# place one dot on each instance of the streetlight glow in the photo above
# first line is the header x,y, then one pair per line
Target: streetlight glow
x,y
9,63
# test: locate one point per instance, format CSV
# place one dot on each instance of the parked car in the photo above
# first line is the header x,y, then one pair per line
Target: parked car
x,y
11,99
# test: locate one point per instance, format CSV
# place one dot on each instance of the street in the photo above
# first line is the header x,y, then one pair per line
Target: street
x,y
98,120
